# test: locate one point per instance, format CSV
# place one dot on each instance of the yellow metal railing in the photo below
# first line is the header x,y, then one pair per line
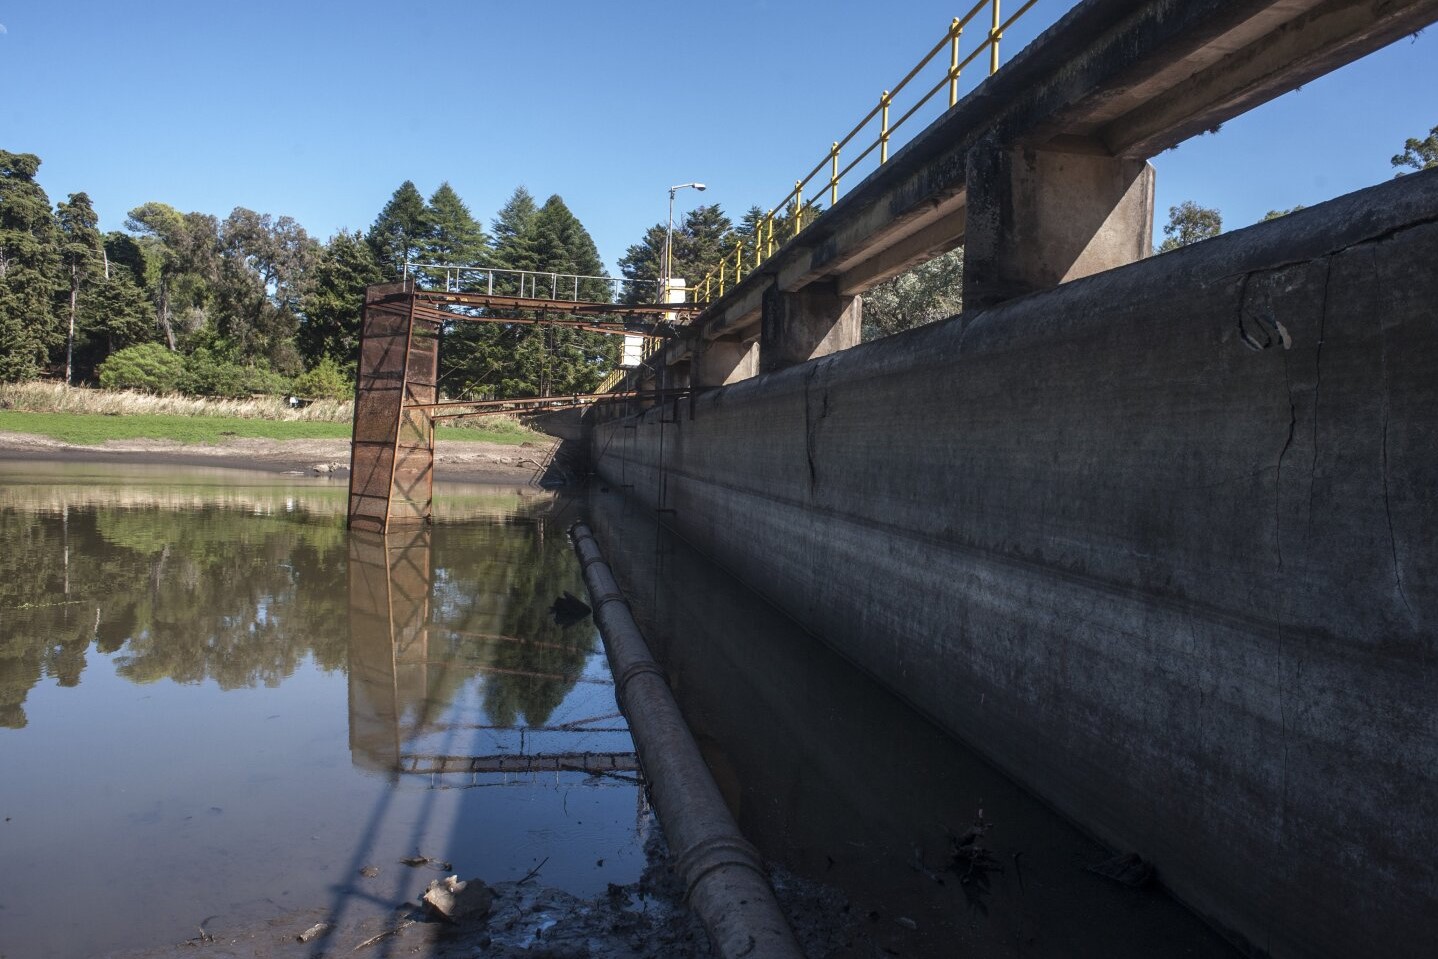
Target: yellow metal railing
x,y
612,380
793,206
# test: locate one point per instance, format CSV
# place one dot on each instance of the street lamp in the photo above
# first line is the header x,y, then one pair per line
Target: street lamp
x,y
669,237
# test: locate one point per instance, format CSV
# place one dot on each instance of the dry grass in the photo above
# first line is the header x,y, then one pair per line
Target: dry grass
x,y
41,397
38,397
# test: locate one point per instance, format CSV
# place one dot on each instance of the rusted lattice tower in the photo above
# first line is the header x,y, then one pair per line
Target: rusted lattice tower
x,y
396,394
392,453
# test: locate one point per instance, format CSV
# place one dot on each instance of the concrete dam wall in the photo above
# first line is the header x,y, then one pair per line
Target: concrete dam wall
x,y
1160,542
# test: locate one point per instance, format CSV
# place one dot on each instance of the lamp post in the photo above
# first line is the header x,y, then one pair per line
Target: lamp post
x,y
668,267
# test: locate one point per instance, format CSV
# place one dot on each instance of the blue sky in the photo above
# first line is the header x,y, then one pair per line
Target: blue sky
x,y
320,109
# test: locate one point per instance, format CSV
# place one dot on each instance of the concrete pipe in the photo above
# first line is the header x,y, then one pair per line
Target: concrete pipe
x,y
723,875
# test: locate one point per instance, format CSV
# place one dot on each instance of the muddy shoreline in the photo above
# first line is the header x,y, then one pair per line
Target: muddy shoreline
x,y
464,461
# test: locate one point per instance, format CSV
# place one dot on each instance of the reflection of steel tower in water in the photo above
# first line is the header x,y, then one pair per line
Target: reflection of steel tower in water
x,y
400,682
389,577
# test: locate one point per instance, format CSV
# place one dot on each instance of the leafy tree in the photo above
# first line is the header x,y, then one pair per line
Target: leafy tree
x,y
81,251
181,264
29,268
333,297
1418,154
262,267
455,235
1188,223
1275,214
929,292
147,367
399,233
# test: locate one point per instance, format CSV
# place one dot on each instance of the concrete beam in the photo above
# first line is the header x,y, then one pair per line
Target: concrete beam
x,y
1038,218
1280,56
940,236
721,362
798,327
1112,76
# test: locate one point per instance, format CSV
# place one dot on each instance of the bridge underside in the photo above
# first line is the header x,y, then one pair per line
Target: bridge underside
x,y
1040,173
1159,542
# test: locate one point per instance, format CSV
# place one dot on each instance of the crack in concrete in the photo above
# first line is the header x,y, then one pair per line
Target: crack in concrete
x,y
1278,476
1387,501
811,423
1318,382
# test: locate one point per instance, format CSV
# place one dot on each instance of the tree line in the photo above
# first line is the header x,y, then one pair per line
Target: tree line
x,y
252,303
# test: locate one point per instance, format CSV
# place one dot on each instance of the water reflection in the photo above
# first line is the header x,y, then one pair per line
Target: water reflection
x,y
209,689
407,658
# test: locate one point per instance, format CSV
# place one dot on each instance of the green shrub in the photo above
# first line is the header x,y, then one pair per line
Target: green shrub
x,y
147,367
324,381
208,374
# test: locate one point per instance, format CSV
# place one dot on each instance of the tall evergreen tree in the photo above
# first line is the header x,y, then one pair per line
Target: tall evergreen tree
x,y
455,235
400,231
82,252
29,268
701,239
513,229
333,298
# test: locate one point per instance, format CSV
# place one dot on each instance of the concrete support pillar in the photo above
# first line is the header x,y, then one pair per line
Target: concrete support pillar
x,y
1038,218
814,322
719,362
677,375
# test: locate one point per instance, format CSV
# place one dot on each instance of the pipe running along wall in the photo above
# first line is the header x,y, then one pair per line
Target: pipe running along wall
x,y
723,875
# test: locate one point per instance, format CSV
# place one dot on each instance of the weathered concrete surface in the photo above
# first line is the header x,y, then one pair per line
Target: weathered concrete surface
x,y
798,327
1160,542
1038,218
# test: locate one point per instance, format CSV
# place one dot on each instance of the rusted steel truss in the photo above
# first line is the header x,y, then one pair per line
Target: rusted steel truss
x,y
452,408
396,389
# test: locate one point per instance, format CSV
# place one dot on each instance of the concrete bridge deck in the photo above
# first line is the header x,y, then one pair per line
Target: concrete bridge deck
x,y
1039,172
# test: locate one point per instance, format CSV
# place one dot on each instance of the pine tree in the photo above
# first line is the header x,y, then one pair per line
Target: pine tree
x,y
29,268
81,251
400,231
702,239
333,298
455,235
114,313
513,229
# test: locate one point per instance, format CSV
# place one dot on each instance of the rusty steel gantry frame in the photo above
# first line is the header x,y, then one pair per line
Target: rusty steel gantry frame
x,y
397,391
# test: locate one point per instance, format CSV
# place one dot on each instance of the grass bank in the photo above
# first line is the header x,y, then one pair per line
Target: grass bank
x,y
87,417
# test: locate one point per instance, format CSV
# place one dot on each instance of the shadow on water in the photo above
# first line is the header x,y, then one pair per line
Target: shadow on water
x,y
841,782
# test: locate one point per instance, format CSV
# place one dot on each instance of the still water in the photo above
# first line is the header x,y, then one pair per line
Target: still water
x,y
216,701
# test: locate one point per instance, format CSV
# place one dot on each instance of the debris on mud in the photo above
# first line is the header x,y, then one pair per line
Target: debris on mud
x,y
314,932
457,900
417,860
1129,870
646,919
